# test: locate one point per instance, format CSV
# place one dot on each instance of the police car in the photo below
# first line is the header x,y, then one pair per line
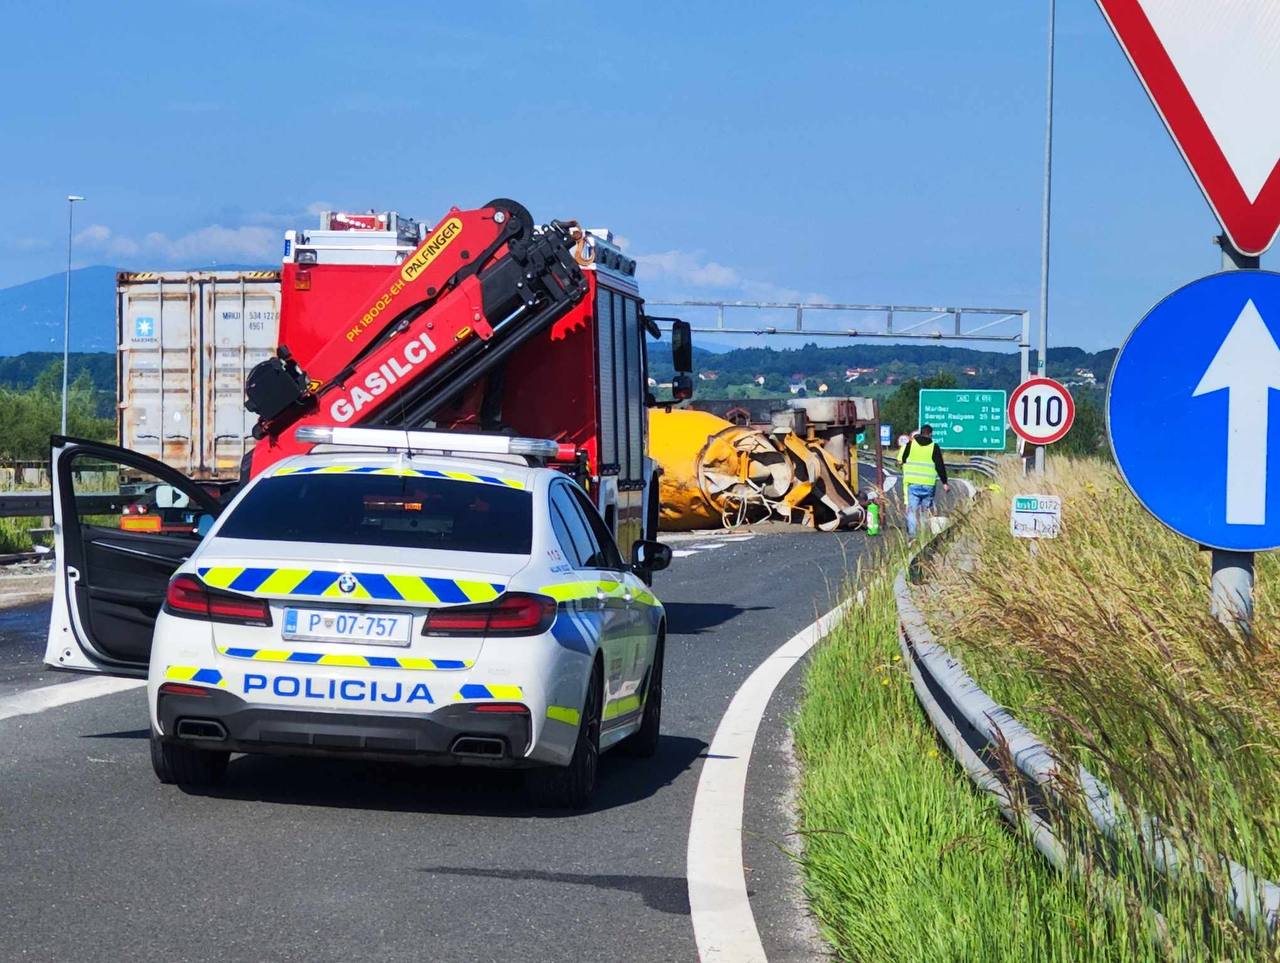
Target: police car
x,y
420,596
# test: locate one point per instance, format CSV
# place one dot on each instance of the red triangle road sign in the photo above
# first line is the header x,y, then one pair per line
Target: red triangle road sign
x,y
1212,69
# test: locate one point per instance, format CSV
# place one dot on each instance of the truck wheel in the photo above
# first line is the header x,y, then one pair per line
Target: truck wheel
x,y
197,768
571,786
643,743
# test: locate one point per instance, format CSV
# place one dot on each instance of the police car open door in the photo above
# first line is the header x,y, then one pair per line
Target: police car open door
x,y
122,524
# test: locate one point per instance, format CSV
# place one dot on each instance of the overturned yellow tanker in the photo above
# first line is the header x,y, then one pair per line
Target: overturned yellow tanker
x,y
716,474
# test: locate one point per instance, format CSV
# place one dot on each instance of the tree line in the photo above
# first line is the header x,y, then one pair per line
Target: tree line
x,y
28,416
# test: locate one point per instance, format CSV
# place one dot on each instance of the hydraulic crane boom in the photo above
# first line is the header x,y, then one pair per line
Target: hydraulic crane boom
x,y
480,284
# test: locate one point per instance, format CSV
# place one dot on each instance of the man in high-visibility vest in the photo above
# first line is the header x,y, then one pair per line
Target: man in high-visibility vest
x,y
922,469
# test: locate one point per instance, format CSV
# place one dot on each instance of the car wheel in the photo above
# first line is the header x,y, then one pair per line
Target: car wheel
x,y
176,763
570,787
643,743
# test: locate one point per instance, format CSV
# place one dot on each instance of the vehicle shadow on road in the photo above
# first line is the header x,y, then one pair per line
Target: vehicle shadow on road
x,y
667,894
694,618
450,790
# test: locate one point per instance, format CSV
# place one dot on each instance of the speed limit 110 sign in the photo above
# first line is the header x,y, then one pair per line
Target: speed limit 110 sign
x,y
1041,411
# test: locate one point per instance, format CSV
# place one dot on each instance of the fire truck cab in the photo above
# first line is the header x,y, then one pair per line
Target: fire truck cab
x,y
581,379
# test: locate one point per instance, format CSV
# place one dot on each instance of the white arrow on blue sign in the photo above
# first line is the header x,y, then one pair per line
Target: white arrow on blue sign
x,y
1189,405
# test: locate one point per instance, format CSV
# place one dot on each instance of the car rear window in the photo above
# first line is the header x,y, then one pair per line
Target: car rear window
x,y
402,512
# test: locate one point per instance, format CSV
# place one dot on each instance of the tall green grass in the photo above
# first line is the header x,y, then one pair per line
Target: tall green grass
x,y
903,859
15,534
1102,641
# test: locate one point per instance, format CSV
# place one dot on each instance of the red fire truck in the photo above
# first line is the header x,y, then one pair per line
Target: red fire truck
x,y
485,322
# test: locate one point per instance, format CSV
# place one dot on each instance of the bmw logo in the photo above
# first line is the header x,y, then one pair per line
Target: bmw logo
x,y
346,583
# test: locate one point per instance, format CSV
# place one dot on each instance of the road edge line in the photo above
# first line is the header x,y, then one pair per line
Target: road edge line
x,y
30,701
724,927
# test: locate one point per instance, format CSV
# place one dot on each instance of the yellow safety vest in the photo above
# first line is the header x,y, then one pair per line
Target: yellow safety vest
x,y
918,467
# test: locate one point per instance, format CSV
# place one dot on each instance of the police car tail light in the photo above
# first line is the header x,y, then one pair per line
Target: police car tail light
x,y
189,597
508,708
181,688
515,613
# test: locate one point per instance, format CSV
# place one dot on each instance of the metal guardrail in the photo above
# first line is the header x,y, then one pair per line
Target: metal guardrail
x,y
995,749
981,464
35,504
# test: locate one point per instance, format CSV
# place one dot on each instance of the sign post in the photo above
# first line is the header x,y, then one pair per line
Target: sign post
x,y
1231,572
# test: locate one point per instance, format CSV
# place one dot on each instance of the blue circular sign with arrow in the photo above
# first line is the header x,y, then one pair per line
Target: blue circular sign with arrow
x,y
1193,406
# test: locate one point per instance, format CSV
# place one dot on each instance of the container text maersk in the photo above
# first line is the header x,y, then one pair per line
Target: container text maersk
x,y
349,402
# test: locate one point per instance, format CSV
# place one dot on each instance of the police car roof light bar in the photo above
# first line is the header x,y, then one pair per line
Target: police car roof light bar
x,y
396,439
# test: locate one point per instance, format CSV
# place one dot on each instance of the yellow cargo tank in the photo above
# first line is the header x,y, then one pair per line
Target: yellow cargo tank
x,y
716,474
712,469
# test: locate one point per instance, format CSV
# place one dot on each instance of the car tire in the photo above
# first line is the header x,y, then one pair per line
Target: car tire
x,y
571,786
178,764
643,743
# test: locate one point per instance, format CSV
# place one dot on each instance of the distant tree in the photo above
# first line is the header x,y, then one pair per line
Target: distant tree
x,y
28,418
1088,434
901,409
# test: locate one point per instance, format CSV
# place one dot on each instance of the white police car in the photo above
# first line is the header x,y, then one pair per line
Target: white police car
x,y
412,596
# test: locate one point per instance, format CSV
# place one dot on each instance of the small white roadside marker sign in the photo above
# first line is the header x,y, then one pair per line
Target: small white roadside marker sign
x,y
1036,516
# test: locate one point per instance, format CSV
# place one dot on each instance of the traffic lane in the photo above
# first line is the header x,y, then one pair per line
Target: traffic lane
x,y
329,860
23,631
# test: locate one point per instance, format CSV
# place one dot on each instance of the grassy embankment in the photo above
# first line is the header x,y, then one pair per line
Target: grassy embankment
x,y
15,534
1104,646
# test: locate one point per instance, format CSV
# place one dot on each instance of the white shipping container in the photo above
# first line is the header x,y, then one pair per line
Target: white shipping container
x,y
185,342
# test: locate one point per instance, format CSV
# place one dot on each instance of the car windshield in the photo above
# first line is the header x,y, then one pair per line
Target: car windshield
x,y
404,512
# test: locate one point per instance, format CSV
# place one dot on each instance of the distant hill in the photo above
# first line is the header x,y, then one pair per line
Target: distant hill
x,y
873,369
31,313
21,371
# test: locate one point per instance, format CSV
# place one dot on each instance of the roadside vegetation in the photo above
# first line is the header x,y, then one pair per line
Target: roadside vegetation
x,y
29,416
1103,644
903,860
15,534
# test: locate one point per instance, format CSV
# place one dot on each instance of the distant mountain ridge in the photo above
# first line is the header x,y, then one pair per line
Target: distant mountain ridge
x,y
31,313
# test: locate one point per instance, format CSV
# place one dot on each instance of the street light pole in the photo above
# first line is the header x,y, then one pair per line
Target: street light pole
x,y
1042,356
66,309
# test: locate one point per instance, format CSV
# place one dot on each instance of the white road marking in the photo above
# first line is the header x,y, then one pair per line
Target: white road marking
x,y
51,696
723,925
684,552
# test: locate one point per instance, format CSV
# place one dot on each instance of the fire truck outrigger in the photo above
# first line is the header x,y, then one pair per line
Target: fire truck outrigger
x,y
488,323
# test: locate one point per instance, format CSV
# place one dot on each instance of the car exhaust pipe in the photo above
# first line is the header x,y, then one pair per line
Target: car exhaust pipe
x,y
485,747
209,730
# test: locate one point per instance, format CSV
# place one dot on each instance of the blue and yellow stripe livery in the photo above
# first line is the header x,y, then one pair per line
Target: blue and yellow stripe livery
x,y
193,673
473,691
397,472
351,661
323,584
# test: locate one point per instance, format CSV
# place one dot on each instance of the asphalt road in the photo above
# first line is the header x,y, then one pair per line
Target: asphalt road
x,y
320,860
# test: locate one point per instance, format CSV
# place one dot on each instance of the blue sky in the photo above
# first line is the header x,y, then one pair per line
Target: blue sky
x,y
866,152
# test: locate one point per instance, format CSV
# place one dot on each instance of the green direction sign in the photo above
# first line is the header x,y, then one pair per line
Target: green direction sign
x,y
964,420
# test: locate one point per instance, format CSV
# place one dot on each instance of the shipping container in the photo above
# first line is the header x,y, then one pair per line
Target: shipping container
x,y
185,342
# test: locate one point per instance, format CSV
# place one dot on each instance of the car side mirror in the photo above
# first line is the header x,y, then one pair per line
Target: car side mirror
x,y
649,556
169,497
203,524
681,347
682,387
